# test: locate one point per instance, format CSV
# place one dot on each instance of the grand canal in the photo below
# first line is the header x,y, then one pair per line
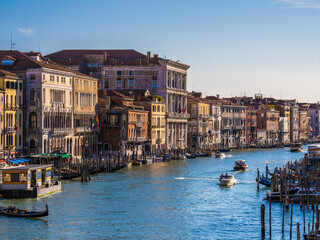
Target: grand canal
x,y
171,200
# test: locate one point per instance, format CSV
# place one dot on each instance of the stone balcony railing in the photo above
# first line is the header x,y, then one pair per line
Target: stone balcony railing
x,y
10,129
177,115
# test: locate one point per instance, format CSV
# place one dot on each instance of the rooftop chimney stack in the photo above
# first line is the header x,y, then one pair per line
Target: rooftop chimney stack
x,y
69,60
155,56
105,56
149,54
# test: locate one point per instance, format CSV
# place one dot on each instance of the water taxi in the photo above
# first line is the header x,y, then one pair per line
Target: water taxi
x,y
220,155
240,165
296,147
227,180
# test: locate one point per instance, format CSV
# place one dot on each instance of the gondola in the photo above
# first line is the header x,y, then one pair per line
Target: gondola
x,y
24,213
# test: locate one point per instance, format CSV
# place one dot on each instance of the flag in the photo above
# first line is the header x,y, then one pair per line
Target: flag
x,y
16,127
185,109
97,121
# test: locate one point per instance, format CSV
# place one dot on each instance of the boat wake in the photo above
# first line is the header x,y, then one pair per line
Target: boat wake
x,y
247,182
188,178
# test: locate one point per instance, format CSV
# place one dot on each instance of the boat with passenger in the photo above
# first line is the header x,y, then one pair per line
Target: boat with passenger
x,y
15,212
219,155
227,180
296,147
240,165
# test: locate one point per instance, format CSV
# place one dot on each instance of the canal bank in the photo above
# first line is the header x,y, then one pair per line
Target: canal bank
x,y
173,200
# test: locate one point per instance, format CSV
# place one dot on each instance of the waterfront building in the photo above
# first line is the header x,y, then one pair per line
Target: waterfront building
x,y
272,126
284,130
314,112
47,99
303,125
12,116
200,123
251,125
129,69
294,123
216,125
124,127
284,122
85,116
233,120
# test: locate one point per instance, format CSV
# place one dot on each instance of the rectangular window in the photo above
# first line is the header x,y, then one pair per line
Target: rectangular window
x,y
107,73
94,100
106,83
32,76
16,85
43,77
131,73
77,98
58,79
12,85
119,83
21,86
77,82
131,83
118,73
7,84
154,83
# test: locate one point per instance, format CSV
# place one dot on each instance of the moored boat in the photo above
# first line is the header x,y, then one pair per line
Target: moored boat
x,y
136,163
227,180
190,155
294,194
240,165
14,212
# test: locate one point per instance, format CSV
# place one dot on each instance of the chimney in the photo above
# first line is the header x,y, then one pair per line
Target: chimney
x,y
218,96
155,56
105,56
69,59
149,54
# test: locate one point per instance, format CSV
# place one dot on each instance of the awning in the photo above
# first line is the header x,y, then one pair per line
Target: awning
x,y
12,161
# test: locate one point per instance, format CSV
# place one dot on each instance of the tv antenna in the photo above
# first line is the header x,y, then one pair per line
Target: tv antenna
x,y
12,44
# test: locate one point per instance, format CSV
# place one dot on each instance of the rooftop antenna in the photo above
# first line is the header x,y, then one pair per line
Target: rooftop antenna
x,y
12,44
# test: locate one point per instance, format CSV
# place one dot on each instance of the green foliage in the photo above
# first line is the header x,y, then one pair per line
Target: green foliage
x,y
160,99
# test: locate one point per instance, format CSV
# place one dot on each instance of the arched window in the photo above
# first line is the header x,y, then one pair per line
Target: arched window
x,y
32,120
32,144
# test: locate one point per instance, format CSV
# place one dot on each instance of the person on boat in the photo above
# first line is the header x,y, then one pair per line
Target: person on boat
x,y
221,176
226,174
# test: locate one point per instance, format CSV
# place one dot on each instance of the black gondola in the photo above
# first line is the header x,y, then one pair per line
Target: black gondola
x,y
23,213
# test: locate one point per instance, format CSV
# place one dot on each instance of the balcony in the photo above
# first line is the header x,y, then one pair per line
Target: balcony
x,y
177,115
239,127
82,130
227,127
139,124
205,116
62,131
10,129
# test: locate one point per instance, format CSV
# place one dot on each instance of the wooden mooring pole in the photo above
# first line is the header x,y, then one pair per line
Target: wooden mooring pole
x,y
263,227
291,219
283,218
270,218
258,177
298,231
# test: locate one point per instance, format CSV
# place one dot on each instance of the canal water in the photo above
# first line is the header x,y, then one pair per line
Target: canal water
x,y
180,199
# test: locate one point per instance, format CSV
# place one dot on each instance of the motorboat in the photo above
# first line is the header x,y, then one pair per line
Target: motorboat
x,y
220,155
296,147
240,165
227,180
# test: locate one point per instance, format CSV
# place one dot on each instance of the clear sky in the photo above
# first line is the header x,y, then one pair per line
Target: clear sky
x,y
234,47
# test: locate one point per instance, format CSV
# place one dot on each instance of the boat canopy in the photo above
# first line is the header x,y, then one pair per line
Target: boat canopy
x,y
240,160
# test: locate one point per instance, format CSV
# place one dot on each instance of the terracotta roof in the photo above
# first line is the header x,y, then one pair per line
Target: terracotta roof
x,y
114,56
23,62
7,74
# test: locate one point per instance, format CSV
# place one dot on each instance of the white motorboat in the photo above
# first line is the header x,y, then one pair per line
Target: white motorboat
x,y
240,165
227,180
220,155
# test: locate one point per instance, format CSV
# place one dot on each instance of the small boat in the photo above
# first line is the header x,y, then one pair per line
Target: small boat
x,y
157,159
227,180
311,236
136,163
190,155
240,165
167,157
14,212
219,155
296,147
265,181
224,150
294,194
199,154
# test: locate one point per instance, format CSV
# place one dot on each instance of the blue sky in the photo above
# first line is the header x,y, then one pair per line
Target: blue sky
x,y
234,47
